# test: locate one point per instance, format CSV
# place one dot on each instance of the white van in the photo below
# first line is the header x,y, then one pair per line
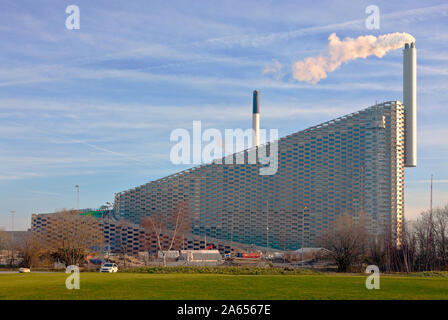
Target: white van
x,y
109,267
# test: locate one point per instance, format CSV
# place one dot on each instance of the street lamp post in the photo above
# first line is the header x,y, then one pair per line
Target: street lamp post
x,y
267,226
109,207
12,221
12,236
303,232
77,196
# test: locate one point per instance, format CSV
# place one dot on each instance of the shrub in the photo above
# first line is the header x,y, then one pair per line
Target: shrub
x,y
221,270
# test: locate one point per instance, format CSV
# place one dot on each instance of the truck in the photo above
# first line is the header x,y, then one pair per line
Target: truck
x,y
249,255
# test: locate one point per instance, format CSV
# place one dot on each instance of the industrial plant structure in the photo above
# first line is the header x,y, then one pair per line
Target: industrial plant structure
x,y
353,164
350,165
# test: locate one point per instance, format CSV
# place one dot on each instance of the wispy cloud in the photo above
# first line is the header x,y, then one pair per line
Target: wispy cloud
x,y
267,39
45,193
64,74
19,176
429,181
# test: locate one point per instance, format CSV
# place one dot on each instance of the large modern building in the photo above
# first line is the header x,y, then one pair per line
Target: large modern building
x,y
353,164
350,165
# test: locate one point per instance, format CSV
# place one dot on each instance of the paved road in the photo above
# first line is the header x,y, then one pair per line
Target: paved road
x,y
11,272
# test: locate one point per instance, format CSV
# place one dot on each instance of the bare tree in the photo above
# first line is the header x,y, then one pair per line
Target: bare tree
x,y
122,241
423,245
2,239
423,232
70,236
31,250
171,227
346,241
441,236
377,250
5,247
408,248
8,245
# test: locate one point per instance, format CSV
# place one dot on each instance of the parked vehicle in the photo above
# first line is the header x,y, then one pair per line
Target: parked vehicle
x,y
23,270
109,267
249,255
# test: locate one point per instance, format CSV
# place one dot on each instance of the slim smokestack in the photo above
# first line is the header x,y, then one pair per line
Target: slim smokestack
x,y
256,119
410,104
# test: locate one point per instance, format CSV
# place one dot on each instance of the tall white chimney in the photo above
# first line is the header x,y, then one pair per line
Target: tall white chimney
x,y
256,119
410,104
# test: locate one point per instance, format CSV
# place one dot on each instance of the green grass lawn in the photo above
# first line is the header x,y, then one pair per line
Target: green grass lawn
x,y
213,286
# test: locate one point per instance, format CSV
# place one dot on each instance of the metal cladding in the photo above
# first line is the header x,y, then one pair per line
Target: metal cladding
x,y
120,236
353,164
410,104
256,119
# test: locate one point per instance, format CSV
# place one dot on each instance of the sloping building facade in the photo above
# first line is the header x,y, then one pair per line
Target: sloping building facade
x,y
353,164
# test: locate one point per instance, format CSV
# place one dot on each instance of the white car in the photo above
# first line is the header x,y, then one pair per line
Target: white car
x,y
109,267
23,270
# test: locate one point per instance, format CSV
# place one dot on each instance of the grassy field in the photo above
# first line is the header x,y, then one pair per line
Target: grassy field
x,y
213,286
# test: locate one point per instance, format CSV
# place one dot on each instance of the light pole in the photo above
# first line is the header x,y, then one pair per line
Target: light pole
x,y
303,232
77,196
267,226
12,236
109,207
12,221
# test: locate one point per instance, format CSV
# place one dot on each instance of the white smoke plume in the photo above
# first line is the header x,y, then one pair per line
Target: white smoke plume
x,y
313,69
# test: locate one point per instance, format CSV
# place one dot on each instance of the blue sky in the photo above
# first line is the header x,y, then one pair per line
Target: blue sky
x,y
96,106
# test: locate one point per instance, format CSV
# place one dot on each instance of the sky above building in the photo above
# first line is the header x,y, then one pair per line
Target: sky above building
x,y
95,106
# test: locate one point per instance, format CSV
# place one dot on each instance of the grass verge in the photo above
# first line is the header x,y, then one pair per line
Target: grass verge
x,y
178,286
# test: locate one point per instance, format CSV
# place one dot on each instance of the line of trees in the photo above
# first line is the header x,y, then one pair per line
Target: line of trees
x,y
423,245
76,235
67,238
